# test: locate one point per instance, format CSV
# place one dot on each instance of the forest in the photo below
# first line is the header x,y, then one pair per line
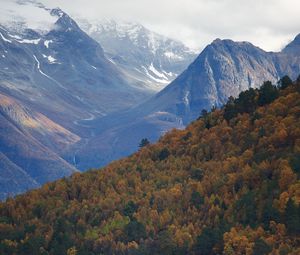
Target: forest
x,y
227,184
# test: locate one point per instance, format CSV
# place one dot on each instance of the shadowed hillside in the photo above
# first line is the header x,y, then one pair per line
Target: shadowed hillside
x,y
227,184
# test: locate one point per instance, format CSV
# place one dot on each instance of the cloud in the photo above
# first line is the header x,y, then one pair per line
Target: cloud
x,y
29,15
269,24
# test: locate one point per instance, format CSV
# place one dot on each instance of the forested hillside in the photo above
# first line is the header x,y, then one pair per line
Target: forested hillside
x,y
227,184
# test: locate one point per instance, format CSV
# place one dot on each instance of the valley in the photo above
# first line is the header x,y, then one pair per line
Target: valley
x,y
97,87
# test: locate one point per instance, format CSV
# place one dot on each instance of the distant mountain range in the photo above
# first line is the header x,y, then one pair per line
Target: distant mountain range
x,y
64,64
148,60
54,80
224,68
49,81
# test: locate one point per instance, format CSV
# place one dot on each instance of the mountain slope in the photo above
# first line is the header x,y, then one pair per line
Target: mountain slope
x,y
36,124
27,142
228,184
149,60
293,48
12,175
25,151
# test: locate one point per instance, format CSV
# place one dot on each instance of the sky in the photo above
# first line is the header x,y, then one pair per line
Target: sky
x,y
269,24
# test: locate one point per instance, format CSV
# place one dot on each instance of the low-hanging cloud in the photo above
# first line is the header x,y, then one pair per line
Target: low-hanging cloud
x,y
269,24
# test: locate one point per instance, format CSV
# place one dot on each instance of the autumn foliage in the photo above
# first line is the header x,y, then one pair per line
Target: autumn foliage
x,y
227,184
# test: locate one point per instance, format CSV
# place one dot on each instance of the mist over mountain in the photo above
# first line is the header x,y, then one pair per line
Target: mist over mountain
x,y
149,60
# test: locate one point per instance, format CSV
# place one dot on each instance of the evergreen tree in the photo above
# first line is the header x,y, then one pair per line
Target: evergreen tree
x,y
261,247
164,153
196,199
207,240
267,93
246,102
292,217
134,231
285,81
130,208
197,174
144,142
230,110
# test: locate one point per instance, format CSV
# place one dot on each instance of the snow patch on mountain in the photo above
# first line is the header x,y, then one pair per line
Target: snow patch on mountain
x,y
171,55
186,99
156,72
154,78
5,39
51,59
46,43
33,41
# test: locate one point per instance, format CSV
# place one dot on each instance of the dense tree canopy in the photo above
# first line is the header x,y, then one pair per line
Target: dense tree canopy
x,y
228,184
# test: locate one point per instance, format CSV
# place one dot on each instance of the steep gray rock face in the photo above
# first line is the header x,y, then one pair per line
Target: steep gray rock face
x,y
223,69
149,60
287,61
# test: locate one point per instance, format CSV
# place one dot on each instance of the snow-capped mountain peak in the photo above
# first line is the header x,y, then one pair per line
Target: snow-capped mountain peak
x,y
150,60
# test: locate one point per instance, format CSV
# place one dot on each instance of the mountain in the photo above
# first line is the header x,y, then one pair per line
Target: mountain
x,y
227,184
64,64
54,79
149,60
223,69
